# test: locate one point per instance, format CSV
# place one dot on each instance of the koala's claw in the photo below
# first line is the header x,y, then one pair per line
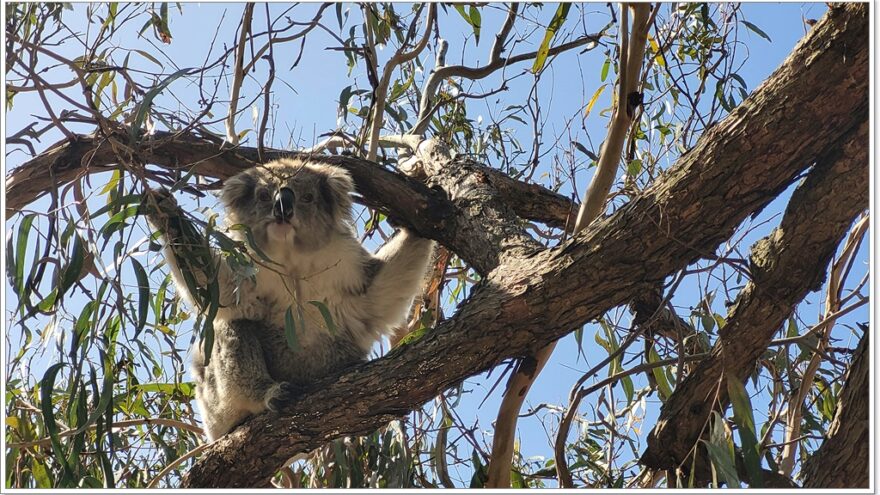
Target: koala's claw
x,y
282,395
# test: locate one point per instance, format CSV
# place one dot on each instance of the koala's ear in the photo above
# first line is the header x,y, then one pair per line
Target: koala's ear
x,y
239,190
336,187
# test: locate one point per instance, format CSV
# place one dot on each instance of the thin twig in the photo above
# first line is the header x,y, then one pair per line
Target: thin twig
x,y
238,73
433,82
381,91
177,462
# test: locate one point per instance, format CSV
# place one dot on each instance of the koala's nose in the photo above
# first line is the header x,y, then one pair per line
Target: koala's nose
x,y
283,208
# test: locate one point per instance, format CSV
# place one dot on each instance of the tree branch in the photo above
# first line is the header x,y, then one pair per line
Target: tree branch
x,y
238,74
438,75
816,219
503,33
400,57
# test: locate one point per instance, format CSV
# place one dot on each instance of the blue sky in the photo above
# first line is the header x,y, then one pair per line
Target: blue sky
x,y
309,108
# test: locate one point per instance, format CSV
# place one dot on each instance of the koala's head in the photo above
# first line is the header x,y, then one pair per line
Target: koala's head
x,y
290,204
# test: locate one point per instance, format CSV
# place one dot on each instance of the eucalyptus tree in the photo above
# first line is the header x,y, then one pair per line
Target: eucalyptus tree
x,y
608,193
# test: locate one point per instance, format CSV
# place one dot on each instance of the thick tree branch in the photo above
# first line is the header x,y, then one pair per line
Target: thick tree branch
x,y
785,266
408,200
832,306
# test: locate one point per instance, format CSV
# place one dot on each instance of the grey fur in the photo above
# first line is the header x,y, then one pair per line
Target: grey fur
x,y
316,258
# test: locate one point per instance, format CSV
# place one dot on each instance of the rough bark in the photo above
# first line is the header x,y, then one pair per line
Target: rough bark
x,y
483,221
65,161
785,266
534,202
537,299
492,198
842,460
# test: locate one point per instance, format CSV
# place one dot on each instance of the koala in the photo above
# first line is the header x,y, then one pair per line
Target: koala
x,y
299,216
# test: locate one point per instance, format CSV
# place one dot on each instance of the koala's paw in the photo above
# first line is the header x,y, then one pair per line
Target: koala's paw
x,y
282,395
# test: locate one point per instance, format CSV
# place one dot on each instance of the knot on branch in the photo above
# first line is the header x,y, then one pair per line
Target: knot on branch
x,y
431,156
633,101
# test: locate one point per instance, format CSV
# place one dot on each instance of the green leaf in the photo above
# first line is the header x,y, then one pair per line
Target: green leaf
x,y
159,299
723,464
604,73
656,49
20,251
662,383
745,422
72,271
517,480
106,79
46,304
634,168
460,9
41,473
479,478
117,220
290,329
143,295
144,107
186,388
707,321
325,313
740,80
344,95
472,16
83,323
339,14
111,14
756,30
555,24
47,386
721,452
106,398
476,21
213,305
149,57
117,202
628,388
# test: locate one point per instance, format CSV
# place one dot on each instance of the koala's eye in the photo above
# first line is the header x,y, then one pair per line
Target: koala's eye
x,y
308,197
263,195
